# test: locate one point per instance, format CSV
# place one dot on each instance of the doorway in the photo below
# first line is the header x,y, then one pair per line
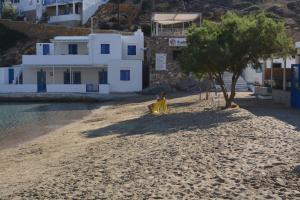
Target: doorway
x,y
41,81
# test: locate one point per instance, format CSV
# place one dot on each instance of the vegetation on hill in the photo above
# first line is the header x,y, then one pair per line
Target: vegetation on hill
x,y
9,38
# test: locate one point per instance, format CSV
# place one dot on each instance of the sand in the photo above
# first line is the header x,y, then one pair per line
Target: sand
x,y
194,152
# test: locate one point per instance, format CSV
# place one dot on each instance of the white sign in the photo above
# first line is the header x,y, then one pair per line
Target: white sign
x,y
161,61
177,42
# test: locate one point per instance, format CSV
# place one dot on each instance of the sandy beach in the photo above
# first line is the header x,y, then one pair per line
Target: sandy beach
x,y
120,151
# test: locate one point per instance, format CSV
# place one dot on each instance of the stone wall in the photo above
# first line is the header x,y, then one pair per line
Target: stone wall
x,y
173,75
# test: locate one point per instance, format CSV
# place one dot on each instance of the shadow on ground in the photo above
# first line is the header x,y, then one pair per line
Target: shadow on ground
x,y
166,124
51,107
269,108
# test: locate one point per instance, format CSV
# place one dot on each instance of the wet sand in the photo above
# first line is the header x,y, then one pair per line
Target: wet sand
x,y
22,122
194,152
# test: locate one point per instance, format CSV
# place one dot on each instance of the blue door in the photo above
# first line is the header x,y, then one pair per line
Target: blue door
x,y
41,81
46,49
295,86
11,76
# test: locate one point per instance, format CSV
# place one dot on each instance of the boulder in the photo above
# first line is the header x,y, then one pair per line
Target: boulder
x,y
297,169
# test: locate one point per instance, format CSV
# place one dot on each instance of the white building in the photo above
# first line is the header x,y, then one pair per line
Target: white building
x,y
104,63
64,12
252,76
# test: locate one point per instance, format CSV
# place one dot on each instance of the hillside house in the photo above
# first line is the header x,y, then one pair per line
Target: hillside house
x,y
99,63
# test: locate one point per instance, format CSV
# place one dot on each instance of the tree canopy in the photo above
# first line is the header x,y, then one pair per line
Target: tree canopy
x,y
232,45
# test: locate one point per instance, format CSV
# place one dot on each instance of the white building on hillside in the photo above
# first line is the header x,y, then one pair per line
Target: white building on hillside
x,y
102,63
63,12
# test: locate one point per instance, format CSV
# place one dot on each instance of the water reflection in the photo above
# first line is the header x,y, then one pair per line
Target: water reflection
x,y
22,122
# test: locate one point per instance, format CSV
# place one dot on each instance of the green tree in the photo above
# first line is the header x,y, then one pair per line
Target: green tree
x,y
9,11
232,45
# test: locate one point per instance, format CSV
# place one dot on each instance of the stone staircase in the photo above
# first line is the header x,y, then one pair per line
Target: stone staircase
x,y
241,85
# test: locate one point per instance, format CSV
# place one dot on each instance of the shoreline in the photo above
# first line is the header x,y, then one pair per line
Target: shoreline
x,y
120,152
22,133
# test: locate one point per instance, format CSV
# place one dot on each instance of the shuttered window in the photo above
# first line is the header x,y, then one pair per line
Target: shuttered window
x,y
125,75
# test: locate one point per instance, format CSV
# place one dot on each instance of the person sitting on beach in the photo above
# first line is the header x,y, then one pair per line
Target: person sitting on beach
x,y
160,105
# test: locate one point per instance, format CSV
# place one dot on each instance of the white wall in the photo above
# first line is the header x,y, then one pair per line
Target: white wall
x,y
4,75
95,42
289,62
251,76
66,88
18,88
134,85
89,7
138,40
39,48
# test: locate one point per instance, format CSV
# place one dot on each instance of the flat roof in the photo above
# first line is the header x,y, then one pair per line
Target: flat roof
x,y
71,38
174,18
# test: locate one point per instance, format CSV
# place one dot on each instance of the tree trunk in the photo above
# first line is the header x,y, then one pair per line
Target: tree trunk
x,y
229,98
235,78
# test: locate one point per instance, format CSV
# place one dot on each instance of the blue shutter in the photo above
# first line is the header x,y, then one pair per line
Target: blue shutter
x,y
72,49
125,75
46,49
105,49
131,50
11,75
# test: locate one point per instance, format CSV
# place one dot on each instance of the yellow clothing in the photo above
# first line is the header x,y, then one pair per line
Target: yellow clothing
x,y
160,106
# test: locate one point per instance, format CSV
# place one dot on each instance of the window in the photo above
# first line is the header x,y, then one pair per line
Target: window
x,y
46,49
103,77
105,49
125,75
73,49
131,50
67,77
76,77
277,65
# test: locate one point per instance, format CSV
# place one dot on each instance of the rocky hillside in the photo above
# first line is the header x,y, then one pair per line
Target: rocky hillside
x,y
13,44
287,10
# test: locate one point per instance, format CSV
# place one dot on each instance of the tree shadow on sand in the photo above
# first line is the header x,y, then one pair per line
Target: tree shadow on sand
x,y
166,124
268,108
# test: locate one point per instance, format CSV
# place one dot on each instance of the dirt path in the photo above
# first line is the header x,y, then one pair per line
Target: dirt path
x,y
121,152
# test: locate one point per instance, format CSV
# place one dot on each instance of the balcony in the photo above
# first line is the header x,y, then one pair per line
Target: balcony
x,y
171,32
59,2
64,18
52,60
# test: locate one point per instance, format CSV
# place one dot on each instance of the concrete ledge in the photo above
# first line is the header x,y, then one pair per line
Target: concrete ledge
x,y
280,96
264,91
63,97
54,97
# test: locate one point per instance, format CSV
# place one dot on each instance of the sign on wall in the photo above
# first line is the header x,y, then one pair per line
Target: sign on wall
x,y
177,42
161,61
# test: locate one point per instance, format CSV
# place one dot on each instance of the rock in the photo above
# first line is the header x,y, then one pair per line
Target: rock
x,y
297,169
187,85
157,89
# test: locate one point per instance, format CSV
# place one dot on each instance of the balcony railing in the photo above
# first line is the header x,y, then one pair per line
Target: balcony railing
x,y
53,2
170,32
64,18
44,60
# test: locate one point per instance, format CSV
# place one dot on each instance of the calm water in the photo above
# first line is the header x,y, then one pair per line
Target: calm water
x,y
23,122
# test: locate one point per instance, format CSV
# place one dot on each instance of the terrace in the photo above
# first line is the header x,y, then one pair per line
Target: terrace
x,y
173,24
